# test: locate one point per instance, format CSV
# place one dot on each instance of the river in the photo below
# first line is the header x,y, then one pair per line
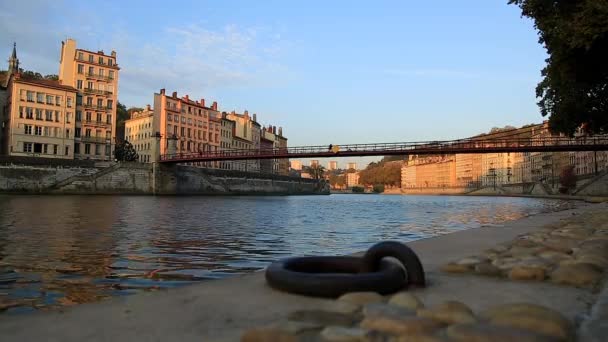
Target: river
x,y
65,250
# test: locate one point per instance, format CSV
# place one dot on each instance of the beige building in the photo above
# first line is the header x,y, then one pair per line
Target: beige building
x,y
40,119
195,126
139,131
332,165
351,166
295,165
352,179
95,76
429,172
468,169
314,162
246,135
226,132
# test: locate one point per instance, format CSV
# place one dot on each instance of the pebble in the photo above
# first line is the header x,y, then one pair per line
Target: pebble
x,y
576,275
407,325
279,332
406,300
386,310
343,334
560,244
340,307
455,268
531,317
490,333
471,261
487,270
323,317
361,298
450,312
527,273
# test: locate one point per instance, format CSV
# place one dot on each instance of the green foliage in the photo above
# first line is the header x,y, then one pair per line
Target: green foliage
x,y
385,173
124,151
378,188
315,171
337,181
51,77
574,88
567,179
358,189
33,75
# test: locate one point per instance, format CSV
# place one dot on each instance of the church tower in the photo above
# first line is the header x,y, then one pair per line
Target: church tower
x,y
13,62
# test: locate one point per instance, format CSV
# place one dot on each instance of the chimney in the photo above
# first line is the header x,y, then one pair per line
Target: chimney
x,y
246,113
148,107
174,94
162,91
187,98
214,105
113,54
274,130
203,102
281,131
233,112
255,117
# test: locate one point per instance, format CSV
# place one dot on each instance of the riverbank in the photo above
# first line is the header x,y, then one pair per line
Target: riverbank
x,y
222,310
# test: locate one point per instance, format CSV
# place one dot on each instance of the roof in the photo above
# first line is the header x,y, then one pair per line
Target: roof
x,y
45,83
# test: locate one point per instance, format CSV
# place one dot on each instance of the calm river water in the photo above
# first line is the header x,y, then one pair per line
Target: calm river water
x,y
66,250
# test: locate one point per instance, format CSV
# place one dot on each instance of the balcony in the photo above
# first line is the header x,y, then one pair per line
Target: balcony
x,y
93,91
97,140
96,123
99,77
95,107
96,62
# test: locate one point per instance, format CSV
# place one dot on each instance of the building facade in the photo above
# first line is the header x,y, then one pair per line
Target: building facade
x,y
139,131
296,165
352,179
40,119
332,165
95,76
351,166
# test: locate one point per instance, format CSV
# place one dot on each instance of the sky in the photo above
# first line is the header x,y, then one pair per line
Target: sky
x,y
338,72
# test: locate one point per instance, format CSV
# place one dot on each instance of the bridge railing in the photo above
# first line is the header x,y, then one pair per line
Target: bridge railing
x,y
442,147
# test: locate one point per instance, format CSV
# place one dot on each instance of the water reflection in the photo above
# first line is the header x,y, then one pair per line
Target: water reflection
x,y
74,249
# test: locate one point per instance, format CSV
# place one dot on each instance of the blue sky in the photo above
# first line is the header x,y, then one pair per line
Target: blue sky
x,y
328,72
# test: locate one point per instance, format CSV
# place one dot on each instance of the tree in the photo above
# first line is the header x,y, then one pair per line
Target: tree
x,y
124,151
52,77
316,171
122,115
574,88
358,189
567,179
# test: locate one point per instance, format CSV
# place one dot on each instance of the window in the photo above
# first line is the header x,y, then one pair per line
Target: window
x,y
109,119
21,112
49,99
176,117
55,147
68,117
175,130
80,69
183,119
99,102
110,88
78,100
100,60
110,102
80,56
98,117
87,148
38,114
189,121
98,149
67,150
111,74
37,148
45,148
107,150
76,148
78,116
30,96
91,70
169,117
77,132
110,62
98,133
58,100
69,101
38,130
108,135
40,97
56,132
67,133
27,147
91,58
89,85
48,115
87,132
88,116
27,129
168,128
183,131
89,101
79,84
57,116
189,132
101,72
29,113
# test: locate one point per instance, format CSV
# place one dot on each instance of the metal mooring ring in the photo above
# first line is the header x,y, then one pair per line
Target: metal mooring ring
x,y
334,276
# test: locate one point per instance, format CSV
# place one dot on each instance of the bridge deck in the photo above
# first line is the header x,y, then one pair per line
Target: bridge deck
x,y
553,144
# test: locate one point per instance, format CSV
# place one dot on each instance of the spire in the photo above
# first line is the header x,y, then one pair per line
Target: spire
x,y
13,62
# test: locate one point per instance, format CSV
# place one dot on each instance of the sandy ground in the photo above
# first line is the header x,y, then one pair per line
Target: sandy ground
x,y
220,310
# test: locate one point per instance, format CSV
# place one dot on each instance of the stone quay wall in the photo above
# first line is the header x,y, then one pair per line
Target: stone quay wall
x,y
148,179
